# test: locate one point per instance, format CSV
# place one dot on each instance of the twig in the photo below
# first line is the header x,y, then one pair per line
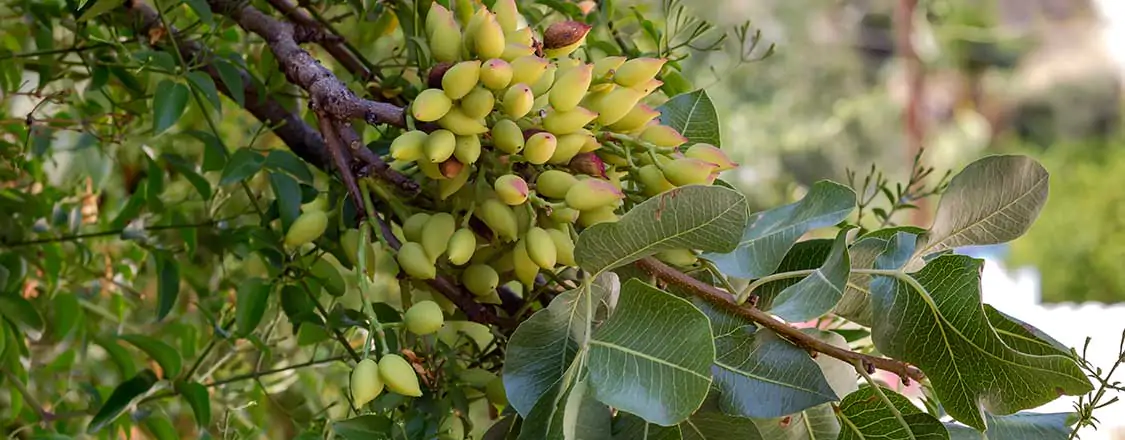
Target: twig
x,y
106,233
721,299
260,373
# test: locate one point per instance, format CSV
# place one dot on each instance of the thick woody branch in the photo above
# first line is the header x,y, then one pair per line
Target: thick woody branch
x,y
334,45
723,300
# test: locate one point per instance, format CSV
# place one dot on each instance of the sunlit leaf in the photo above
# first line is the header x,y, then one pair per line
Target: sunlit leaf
x,y
694,116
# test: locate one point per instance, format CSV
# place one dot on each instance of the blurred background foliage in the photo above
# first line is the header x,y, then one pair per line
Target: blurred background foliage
x,y
1031,77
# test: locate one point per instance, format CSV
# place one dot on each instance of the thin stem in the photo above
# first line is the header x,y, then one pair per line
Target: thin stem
x,y
259,374
105,233
883,396
336,332
27,396
745,294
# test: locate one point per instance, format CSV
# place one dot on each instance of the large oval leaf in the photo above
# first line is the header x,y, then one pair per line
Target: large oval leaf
x,y
200,402
864,415
652,357
121,399
993,200
770,234
816,423
168,358
250,306
168,105
818,293
694,116
707,218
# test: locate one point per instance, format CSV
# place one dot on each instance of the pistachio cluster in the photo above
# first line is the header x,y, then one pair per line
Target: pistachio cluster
x,y
525,144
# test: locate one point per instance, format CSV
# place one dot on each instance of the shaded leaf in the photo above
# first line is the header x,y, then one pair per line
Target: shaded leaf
x,y
993,200
816,423
1019,426
23,314
243,164
252,299
805,255
95,8
214,155
629,427
230,75
168,283
819,292
367,427
855,305
122,398
694,116
160,428
168,104
761,375
200,402
1023,337
204,84
168,358
288,194
187,169
864,415
662,377
118,355
203,11
696,217
934,320
543,347
282,160
574,414
770,234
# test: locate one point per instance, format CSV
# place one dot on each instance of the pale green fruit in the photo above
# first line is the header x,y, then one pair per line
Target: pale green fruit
x,y
399,376
541,248
507,136
366,384
480,279
554,183
462,246
436,234
440,145
460,79
423,318
478,103
413,259
431,105
412,227
307,227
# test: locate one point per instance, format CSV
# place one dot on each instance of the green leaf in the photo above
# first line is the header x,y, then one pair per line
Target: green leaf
x,y
368,427
662,376
252,299
288,194
168,105
118,355
282,160
122,398
187,169
855,305
864,415
155,185
571,415
544,346
329,277
230,74
1020,426
204,84
816,423
203,11
160,428
168,358
243,164
214,156
993,200
95,8
818,293
805,255
694,116
933,319
168,283
200,402
1023,337
696,217
714,425
770,234
23,314
629,427
297,305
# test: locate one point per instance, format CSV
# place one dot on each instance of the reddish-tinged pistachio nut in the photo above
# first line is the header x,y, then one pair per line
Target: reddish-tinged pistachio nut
x,y
496,74
713,154
528,69
480,279
478,103
646,88
440,145
562,38
438,230
506,14
518,100
569,145
467,150
540,147
436,17
653,180
545,82
451,168
637,71
588,194
460,79
607,65
433,80
567,122
488,40
511,189
522,36
462,245
430,105
498,217
564,245
507,136
461,124
690,171
541,248
526,269
617,104
554,183
589,164
414,261
570,87
446,41
662,136
640,115
592,217
590,145
409,146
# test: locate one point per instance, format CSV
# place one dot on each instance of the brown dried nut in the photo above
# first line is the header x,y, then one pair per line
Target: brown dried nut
x,y
564,33
589,164
436,74
451,168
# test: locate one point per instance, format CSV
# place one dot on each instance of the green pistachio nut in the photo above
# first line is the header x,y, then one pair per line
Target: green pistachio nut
x,y
712,154
653,180
525,267
480,279
568,122
518,100
462,246
637,71
564,37
399,376
507,136
545,82
569,146
413,259
522,36
498,217
528,69
590,194
636,119
409,146
430,105
570,87
440,145
564,215
507,14
460,79
554,183
540,147
423,318
662,136
438,230
541,248
413,226
690,171
564,246
514,51
461,124
478,103
488,39
496,74
445,39
467,149
366,384
677,257
592,217
617,104
607,65
307,227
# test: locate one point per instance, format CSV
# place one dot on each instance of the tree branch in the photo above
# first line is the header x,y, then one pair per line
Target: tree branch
x,y
721,299
335,45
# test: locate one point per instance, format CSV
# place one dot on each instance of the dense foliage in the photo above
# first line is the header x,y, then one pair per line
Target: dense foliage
x,y
498,230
